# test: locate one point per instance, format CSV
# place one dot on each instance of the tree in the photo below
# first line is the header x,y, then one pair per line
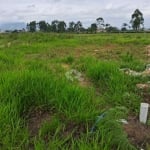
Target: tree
x,y
137,20
100,23
49,27
78,26
112,29
107,25
43,26
54,26
124,27
71,26
61,26
31,27
93,27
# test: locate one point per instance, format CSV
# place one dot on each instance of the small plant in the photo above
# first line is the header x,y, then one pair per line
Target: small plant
x,y
69,59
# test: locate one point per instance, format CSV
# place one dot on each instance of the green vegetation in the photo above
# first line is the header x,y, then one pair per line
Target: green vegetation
x,y
57,26
40,109
117,88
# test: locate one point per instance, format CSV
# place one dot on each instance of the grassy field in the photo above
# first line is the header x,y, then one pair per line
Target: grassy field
x,y
42,109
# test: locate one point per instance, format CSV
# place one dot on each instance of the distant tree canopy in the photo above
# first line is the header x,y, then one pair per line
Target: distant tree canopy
x,y
93,27
31,26
137,20
125,27
54,26
61,26
78,27
43,26
112,29
71,27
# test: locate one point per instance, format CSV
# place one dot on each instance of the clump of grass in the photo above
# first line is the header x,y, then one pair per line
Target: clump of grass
x,y
13,36
69,59
19,91
109,134
49,128
35,88
35,65
8,61
38,88
5,59
116,87
13,134
129,61
110,128
127,57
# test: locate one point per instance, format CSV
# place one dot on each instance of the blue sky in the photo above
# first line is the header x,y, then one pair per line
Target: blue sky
x,y
114,12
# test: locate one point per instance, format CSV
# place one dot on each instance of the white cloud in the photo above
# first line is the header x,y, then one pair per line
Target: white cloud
x,y
113,11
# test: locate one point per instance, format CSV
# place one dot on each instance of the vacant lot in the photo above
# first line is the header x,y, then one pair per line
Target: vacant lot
x,y
71,91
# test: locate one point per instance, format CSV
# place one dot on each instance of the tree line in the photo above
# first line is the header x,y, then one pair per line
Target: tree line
x,y
136,23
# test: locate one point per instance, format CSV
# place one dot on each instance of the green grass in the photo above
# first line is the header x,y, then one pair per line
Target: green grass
x,y
33,78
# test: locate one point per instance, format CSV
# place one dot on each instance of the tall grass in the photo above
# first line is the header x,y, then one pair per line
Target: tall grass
x,y
36,88
26,83
129,61
116,87
22,91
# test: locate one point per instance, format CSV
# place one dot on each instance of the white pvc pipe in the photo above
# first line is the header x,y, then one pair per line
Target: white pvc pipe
x,y
144,112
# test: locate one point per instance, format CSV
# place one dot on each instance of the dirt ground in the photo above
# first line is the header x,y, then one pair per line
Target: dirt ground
x,y
138,133
35,120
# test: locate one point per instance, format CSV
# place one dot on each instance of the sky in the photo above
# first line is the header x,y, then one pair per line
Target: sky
x,y
115,12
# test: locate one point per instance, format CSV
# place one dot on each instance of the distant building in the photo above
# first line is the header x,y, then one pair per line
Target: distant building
x,y
147,30
101,30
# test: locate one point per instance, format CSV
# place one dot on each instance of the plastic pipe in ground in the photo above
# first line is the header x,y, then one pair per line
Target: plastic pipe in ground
x,y
144,112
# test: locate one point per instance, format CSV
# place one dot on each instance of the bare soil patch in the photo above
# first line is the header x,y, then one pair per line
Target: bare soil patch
x,y
65,66
85,82
37,117
35,120
146,96
142,86
138,133
148,50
